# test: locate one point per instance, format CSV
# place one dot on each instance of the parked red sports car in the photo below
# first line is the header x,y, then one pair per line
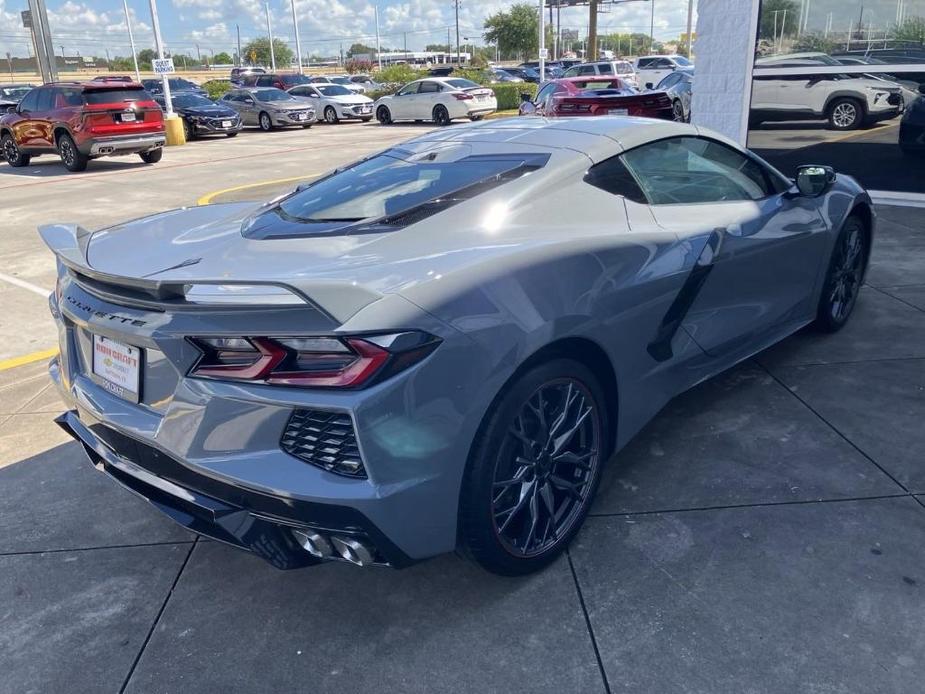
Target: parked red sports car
x,y
595,96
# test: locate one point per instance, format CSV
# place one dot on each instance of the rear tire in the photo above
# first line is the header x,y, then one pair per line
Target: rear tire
x,y
11,152
306,126
844,276
231,134
476,118
441,115
383,115
188,133
845,114
677,111
265,122
520,452
70,155
152,156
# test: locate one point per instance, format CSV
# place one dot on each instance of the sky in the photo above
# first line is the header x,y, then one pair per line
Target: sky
x,y
90,27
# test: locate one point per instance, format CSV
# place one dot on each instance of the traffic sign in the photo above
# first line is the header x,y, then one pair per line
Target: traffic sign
x,y
163,66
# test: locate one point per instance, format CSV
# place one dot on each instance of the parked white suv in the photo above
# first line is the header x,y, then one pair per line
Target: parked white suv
x,y
846,101
652,69
620,68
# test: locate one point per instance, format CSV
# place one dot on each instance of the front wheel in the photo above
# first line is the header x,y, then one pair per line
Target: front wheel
x,y
330,115
441,115
476,118
70,155
152,156
677,111
845,114
188,133
534,468
12,153
265,122
844,276
383,115
231,134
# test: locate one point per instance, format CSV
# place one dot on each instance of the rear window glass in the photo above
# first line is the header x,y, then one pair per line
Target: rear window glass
x,y
462,84
387,191
294,79
114,96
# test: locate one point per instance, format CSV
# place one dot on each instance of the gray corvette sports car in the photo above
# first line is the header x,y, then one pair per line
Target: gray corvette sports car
x,y
439,346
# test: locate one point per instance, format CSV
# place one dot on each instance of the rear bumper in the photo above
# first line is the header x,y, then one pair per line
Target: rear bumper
x,y
256,522
125,144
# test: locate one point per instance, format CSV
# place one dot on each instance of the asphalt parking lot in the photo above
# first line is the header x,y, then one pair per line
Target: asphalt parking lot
x,y
763,534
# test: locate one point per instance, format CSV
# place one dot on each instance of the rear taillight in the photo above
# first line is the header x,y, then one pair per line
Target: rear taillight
x,y
310,362
573,108
462,96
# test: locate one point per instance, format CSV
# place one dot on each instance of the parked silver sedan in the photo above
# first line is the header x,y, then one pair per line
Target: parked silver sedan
x,y
269,107
335,102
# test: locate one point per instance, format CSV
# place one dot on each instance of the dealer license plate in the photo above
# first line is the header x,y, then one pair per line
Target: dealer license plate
x,y
301,116
226,123
117,367
617,111
128,117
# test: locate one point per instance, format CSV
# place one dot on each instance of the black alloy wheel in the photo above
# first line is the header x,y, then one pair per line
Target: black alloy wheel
x,y
70,155
188,133
383,115
844,277
152,156
12,153
441,115
535,469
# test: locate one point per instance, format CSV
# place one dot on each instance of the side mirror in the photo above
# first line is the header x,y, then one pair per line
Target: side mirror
x,y
649,85
813,181
11,109
526,96
922,88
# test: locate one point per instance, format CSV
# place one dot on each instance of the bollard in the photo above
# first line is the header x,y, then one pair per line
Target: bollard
x,y
173,128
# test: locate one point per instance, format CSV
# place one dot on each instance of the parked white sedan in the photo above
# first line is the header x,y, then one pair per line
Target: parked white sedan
x,y
334,102
440,99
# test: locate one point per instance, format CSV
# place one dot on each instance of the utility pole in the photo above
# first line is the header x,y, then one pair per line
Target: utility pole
x,y
542,44
298,42
652,29
378,48
591,43
9,60
240,57
266,7
131,40
198,55
457,31
159,44
690,29
449,47
41,35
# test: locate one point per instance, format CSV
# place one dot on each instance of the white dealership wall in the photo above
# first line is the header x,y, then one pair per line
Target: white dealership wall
x,y
725,54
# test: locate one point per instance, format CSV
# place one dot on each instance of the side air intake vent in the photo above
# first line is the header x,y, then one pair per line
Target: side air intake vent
x,y
325,439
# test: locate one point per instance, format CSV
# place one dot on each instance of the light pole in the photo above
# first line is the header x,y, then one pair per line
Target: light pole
x,y
652,29
298,43
240,57
378,50
690,29
457,31
543,43
266,6
131,40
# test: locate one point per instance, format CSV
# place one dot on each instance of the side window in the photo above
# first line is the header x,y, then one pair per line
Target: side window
x,y
46,100
545,93
670,81
72,97
29,101
644,62
612,176
264,81
586,70
605,69
429,88
685,170
663,64
409,89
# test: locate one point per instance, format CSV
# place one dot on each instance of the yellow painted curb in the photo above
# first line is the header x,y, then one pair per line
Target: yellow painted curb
x,y
209,197
27,359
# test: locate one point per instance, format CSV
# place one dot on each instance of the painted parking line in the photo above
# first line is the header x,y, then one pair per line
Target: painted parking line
x,y
27,359
209,197
22,284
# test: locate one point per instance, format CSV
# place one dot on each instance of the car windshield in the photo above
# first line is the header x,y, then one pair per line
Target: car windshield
x,y
341,80
191,101
333,90
395,182
113,96
273,95
14,92
459,83
681,60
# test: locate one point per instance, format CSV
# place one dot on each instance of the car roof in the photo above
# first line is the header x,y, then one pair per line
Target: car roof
x,y
95,84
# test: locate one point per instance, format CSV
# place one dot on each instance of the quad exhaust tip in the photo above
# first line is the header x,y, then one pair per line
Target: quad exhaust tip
x,y
336,547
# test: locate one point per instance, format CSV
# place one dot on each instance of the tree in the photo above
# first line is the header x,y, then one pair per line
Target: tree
x,y
815,43
257,52
145,56
913,29
222,59
516,31
626,44
361,49
786,24
438,48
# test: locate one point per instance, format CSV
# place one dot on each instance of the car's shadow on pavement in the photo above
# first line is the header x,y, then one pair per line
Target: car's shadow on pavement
x,y
52,167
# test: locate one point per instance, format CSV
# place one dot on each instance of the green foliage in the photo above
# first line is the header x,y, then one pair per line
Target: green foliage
x,y
257,52
788,22
913,29
145,56
475,74
361,49
815,43
216,89
516,32
120,64
385,91
222,59
437,47
508,95
401,74
626,44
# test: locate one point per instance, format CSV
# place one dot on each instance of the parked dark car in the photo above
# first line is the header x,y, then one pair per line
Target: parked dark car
x,y
677,86
81,121
595,96
280,80
12,94
177,84
202,116
912,127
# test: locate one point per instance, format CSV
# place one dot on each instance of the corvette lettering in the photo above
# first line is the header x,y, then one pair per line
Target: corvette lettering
x,y
114,317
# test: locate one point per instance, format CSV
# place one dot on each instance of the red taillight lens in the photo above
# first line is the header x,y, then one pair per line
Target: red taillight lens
x,y
462,96
573,108
312,362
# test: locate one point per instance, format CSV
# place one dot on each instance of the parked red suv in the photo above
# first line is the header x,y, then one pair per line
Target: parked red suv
x,y
82,121
280,80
